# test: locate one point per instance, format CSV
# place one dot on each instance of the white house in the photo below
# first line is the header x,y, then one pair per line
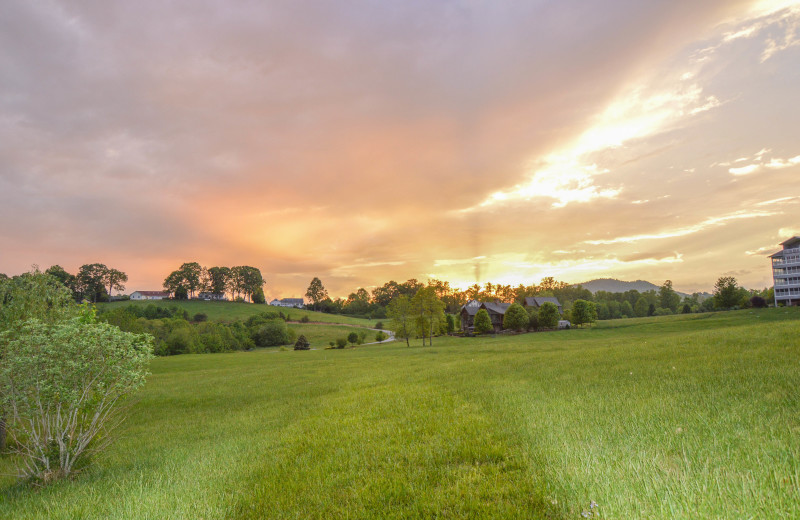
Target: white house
x,y
212,296
287,302
149,295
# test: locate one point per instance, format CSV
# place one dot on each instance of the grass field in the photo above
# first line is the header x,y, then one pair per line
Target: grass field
x,y
231,311
676,417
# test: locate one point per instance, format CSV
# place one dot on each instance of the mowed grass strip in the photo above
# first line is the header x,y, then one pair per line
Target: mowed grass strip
x,y
232,311
676,417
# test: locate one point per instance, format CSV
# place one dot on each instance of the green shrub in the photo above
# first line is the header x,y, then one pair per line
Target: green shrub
x,y
304,319
271,334
200,317
302,343
60,382
548,315
180,341
353,337
341,342
380,336
516,318
483,323
533,319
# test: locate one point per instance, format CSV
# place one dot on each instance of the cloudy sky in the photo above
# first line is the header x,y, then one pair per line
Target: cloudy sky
x,y
362,141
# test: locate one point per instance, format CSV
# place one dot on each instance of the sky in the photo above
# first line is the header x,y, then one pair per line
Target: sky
x,y
364,141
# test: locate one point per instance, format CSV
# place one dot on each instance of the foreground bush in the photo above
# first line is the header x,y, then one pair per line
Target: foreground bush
x,y
62,384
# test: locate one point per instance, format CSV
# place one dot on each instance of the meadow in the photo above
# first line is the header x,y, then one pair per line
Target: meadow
x,y
689,416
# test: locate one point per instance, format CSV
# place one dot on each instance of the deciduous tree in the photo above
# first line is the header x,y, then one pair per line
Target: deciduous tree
x,y
726,292
91,282
115,279
667,297
402,320
429,311
583,312
316,292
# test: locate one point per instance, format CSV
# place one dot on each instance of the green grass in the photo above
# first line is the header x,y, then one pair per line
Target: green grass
x,y
319,335
231,311
675,417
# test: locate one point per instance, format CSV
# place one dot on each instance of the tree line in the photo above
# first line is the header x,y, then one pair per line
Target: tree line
x,y
242,283
607,305
92,283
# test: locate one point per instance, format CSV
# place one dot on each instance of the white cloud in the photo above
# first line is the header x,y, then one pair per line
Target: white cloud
x,y
688,230
744,170
515,268
772,164
564,182
782,200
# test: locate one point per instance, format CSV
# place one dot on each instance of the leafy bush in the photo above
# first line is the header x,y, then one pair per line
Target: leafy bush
x,y
257,320
61,383
200,317
548,315
379,325
341,342
516,318
180,341
271,334
353,337
380,336
758,302
304,319
533,319
482,323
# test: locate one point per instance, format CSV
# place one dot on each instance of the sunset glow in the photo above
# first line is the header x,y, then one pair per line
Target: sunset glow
x,y
466,141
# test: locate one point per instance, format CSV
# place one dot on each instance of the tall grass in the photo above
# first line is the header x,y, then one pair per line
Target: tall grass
x,y
673,417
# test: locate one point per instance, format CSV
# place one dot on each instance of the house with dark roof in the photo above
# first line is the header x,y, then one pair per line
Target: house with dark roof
x,y
537,301
496,312
467,313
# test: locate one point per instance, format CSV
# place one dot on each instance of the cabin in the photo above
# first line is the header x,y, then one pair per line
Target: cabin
x,y
496,312
467,313
537,301
149,295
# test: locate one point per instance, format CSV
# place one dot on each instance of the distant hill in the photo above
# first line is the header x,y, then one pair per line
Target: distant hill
x,y
615,286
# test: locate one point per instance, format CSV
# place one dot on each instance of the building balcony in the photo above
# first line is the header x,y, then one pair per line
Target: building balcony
x,y
781,263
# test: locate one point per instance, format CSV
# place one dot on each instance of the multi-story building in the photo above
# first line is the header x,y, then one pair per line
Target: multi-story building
x,y
786,273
